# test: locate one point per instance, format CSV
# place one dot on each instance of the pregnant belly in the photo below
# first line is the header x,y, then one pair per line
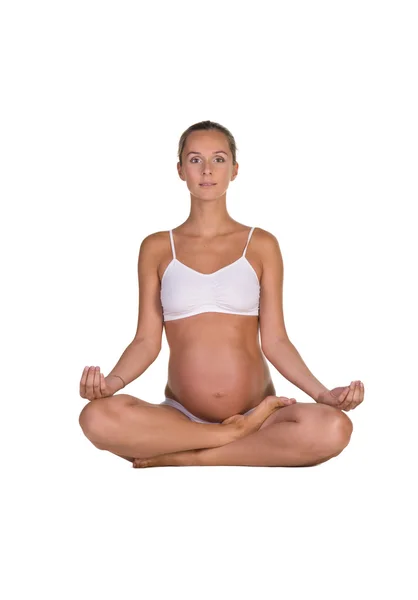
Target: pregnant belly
x,y
216,384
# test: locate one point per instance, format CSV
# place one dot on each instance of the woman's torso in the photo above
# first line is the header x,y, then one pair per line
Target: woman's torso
x,y
216,366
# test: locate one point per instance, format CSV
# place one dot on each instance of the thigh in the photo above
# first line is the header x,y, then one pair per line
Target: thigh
x,y
115,405
165,407
303,411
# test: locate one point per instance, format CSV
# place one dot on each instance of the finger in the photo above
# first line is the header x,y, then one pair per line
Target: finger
x,y
89,383
350,395
346,404
83,382
344,395
351,400
96,382
342,398
356,396
285,400
360,396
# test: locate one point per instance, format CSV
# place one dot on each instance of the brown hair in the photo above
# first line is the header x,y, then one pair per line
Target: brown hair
x,y
208,125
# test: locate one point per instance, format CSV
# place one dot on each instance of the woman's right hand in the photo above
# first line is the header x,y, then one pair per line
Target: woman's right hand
x,y
94,384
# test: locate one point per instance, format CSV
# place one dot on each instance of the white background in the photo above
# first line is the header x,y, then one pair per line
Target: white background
x,y
322,100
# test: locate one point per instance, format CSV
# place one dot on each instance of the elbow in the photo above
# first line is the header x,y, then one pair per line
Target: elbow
x,y
270,348
153,346
155,349
266,351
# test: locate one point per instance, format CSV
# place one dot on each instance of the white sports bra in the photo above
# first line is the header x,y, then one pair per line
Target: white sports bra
x,y
234,289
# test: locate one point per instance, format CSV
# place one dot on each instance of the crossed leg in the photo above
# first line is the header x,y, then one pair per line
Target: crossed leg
x,y
303,434
130,427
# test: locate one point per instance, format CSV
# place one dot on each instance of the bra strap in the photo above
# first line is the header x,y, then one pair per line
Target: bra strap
x,y
248,241
172,244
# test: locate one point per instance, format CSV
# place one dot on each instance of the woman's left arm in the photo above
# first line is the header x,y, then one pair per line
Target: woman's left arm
x,y
287,360
275,343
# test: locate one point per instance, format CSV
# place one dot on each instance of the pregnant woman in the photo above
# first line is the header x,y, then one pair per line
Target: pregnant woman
x,y
217,287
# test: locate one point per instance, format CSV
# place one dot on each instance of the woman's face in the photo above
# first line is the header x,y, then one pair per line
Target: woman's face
x,y
207,158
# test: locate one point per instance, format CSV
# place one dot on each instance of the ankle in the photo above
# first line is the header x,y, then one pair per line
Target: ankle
x,y
238,429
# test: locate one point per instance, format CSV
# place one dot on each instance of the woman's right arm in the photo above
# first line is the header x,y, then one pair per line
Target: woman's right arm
x,y
146,345
136,359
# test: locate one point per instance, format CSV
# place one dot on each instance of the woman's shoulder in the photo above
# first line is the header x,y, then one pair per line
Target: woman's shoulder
x,y
154,243
265,244
155,237
264,236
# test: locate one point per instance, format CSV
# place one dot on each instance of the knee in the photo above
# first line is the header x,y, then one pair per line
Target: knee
x,y
98,416
92,420
339,428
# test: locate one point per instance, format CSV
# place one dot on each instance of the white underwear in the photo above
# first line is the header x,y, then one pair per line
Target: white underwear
x,y
192,417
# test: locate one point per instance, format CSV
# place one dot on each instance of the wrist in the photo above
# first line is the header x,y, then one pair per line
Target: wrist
x,y
115,382
320,392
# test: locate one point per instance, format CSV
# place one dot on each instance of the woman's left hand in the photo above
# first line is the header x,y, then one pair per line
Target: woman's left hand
x,y
344,398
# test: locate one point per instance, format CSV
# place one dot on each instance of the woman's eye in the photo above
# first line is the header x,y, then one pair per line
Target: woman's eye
x,y
218,157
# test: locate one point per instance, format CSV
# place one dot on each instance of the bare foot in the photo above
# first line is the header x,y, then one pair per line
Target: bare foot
x,y
172,459
243,425
246,424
